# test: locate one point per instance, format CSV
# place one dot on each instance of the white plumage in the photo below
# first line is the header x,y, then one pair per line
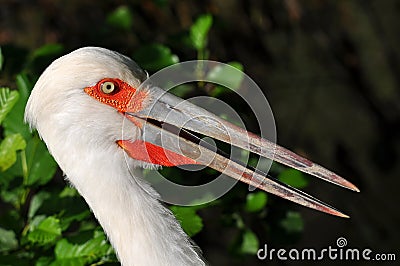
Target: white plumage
x,y
81,133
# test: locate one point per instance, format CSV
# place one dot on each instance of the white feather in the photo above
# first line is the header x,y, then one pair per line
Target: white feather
x,y
80,133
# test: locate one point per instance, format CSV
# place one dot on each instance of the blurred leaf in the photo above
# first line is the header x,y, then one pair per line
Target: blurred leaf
x,y
8,241
69,192
238,220
40,58
8,99
154,57
37,202
69,218
83,254
181,90
218,91
43,261
204,201
293,223
46,232
249,243
256,201
79,212
41,165
293,178
199,31
24,86
8,148
229,75
14,122
120,18
189,220
48,50
13,196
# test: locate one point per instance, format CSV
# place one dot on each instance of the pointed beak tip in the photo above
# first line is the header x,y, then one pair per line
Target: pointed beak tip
x,y
345,183
345,216
339,214
353,187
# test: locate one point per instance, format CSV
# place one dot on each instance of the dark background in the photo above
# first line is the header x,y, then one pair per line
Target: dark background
x,y
330,70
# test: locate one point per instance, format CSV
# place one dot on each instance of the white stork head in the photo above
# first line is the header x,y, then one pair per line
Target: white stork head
x,y
78,106
61,111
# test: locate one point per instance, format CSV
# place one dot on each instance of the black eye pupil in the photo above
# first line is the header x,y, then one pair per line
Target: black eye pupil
x,y
108,87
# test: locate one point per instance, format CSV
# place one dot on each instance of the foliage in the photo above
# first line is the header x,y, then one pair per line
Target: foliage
x,y
292,222
256,201
154,57
45,221
96,249
37,219
7,101
120,18
198,34
199,31
293,178
8,148
250,243
189,220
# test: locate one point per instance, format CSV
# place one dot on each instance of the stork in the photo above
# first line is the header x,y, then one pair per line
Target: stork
x,y
79,105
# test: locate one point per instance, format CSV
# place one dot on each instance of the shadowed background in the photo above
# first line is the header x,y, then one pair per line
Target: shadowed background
x,y
330,70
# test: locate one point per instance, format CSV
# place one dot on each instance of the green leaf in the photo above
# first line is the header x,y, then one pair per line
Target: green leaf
x,y
199,31
68,219
83,254
8,150
45,232
68,192
68,254
230,76
48,50
293,223
41,165
8,241
249,243
189,220
43,261
181,90
14,122
8,99
121,18
24,86
13,196
256,201
154,57
37,202
40,58
293,178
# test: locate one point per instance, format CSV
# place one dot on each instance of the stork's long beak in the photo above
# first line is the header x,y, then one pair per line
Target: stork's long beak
x,y
168,123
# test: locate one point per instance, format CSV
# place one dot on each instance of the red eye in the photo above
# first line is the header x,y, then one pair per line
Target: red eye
x,y
116,93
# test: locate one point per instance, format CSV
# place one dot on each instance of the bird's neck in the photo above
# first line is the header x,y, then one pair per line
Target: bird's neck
x,y
142,231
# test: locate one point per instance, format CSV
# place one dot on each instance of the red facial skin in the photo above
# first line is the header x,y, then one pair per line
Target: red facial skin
x,y
125,98
148,152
